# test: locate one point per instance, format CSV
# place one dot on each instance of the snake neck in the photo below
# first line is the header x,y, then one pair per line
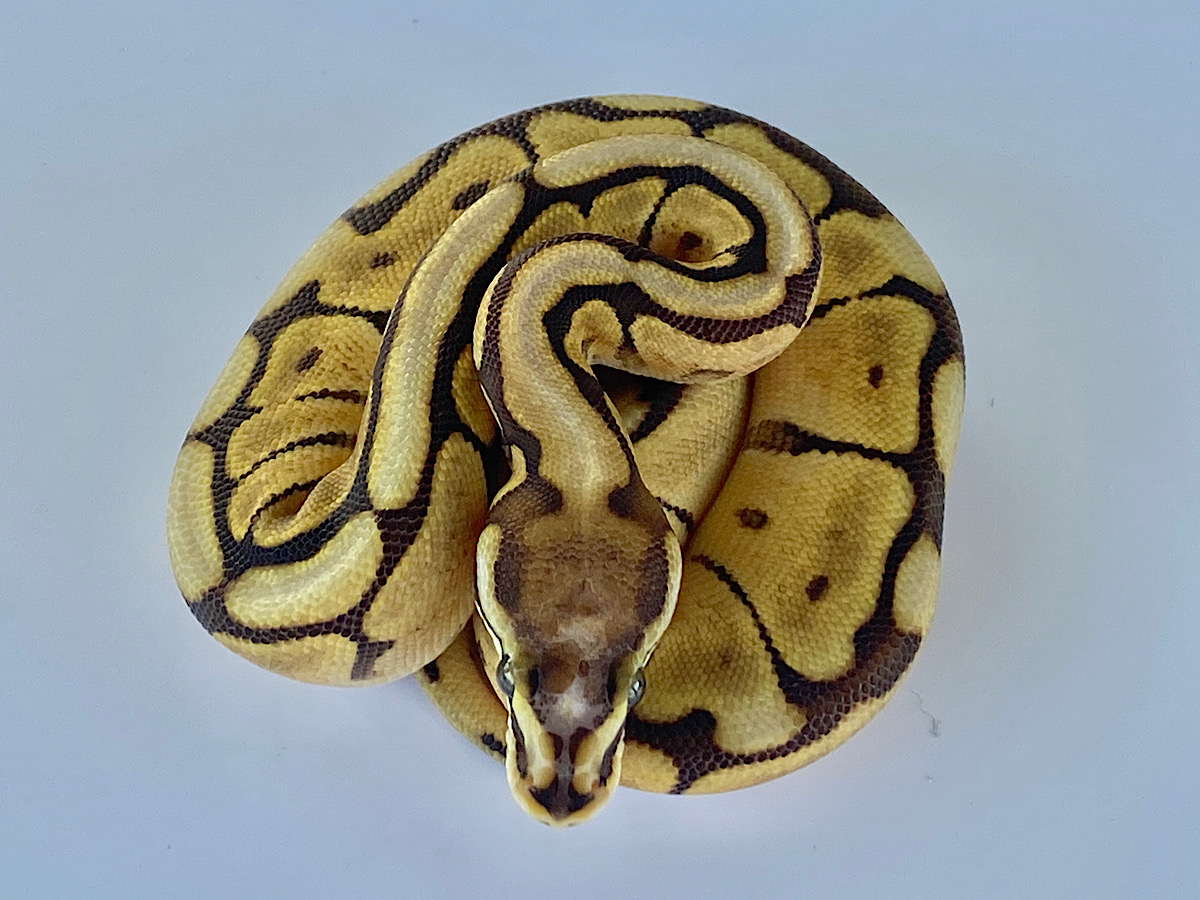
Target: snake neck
x,y
578,567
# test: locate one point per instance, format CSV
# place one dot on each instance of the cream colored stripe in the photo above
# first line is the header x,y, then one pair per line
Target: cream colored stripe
x,y
402,430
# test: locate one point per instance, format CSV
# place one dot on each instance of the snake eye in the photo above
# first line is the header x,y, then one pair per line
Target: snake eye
x,y
504,676
637,688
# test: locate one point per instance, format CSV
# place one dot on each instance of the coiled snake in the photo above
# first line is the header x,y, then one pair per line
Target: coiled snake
x,y
549,377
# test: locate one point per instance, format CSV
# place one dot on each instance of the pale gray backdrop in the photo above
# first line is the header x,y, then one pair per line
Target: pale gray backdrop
x,y
162,164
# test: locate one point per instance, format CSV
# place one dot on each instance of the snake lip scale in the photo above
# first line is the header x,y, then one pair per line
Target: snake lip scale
x,y
623,422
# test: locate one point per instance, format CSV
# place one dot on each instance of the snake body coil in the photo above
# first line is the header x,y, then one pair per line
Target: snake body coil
x,y
653,389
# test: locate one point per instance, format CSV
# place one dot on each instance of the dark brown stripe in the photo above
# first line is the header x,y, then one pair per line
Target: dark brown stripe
x,y
684,516
327,394
328,439
816,588
469,195
280,497
308,360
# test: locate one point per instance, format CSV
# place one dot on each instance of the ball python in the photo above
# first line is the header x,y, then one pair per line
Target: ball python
x,y
622,421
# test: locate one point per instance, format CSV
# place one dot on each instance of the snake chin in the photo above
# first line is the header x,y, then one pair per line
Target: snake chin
x,y
567,750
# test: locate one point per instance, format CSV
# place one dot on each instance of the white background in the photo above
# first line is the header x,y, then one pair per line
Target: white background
x,y
161,165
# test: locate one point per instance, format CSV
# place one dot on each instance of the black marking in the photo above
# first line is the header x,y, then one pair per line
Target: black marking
x,y
328,439
647,230
663,397
432,673
846,193
684,516
875,376
623,500
308,360
560,798
938,305
752,518
382,259
469,195
606,761
327,394
367,654
825,306
659,397
279,497
371,217
492,743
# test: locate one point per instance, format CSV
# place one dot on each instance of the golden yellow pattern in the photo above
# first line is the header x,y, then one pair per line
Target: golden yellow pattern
x,y
326,519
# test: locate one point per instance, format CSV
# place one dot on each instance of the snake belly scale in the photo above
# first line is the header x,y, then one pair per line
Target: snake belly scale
x,y
624,422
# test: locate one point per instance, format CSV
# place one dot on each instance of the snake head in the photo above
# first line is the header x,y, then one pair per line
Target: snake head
x,y
567,730
573,624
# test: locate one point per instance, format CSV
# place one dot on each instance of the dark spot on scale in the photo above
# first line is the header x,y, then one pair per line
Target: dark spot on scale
x,y
469,195
875,375
381,260
688,242
308,360
752,518
431,672
816,588
490,741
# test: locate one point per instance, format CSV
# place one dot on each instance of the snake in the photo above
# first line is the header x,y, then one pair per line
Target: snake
x,y
622,422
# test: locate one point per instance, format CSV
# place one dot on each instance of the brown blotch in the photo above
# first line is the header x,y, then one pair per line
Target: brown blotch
x,y
469,195
752,518
875,375
687,245
308,360
381,260
816,588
